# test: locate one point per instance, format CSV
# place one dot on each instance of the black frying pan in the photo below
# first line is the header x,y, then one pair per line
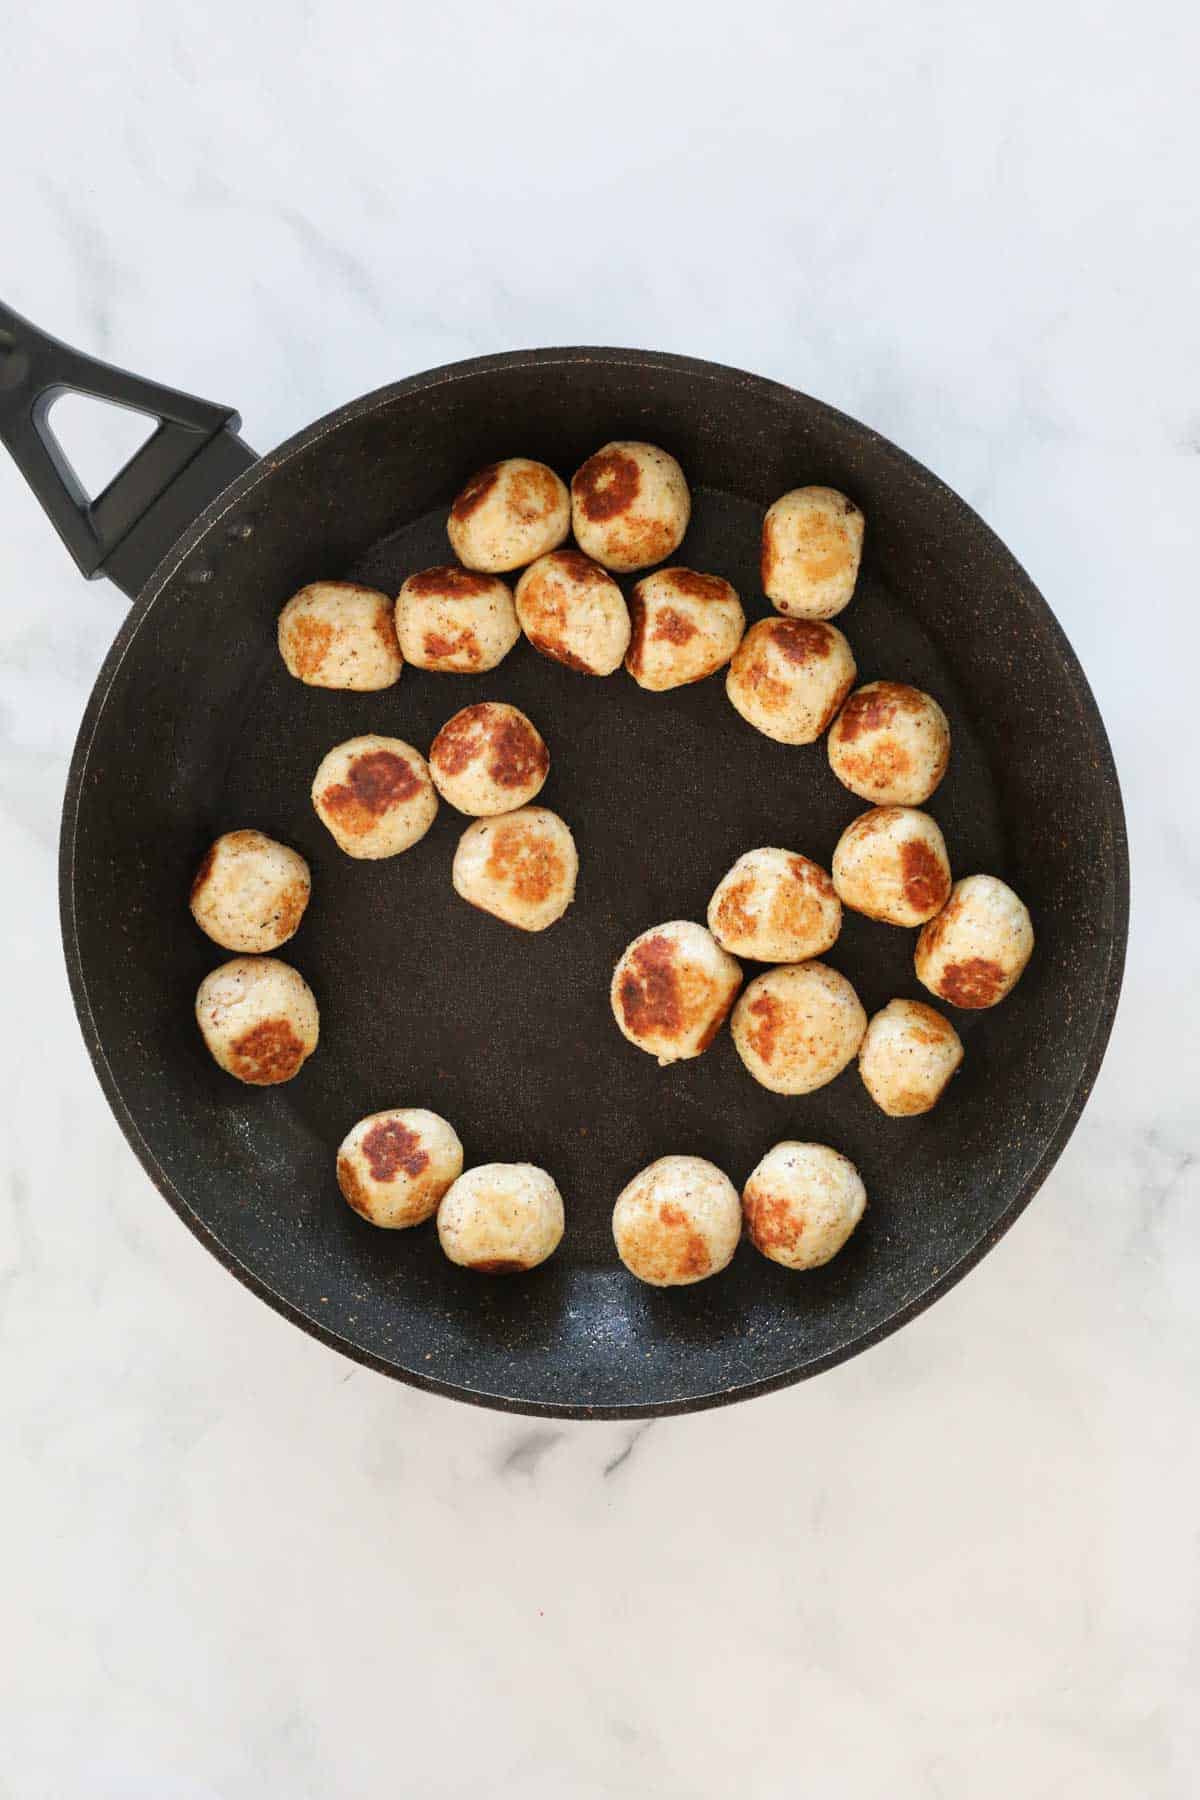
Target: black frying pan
x,y
194,728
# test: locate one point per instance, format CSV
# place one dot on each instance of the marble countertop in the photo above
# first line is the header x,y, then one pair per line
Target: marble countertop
x,y
964,1564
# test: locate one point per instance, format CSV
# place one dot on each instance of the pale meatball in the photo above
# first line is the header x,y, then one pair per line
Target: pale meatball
x,y
259,1019
489,758
455,622
796,1028
509,514
812,543
890,744
393,1167
521,868
572,611
907,1057
975,951
801,1203
671,990
336,634
375,796
685,626
775,906
891,864
501,1218
788,678
250,892
677,1222
630,506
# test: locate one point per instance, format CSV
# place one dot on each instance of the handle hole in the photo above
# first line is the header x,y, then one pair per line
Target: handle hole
x,y
97,437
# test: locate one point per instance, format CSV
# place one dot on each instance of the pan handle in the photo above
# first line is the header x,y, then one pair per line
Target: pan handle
x,y
126,531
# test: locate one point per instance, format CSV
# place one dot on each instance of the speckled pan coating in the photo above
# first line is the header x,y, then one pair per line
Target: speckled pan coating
x,y
510,1035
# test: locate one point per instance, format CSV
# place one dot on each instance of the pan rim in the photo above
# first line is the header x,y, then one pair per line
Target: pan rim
x,y
1116,935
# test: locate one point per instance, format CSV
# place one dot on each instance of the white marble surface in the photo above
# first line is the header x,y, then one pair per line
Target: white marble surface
x,y
233,1564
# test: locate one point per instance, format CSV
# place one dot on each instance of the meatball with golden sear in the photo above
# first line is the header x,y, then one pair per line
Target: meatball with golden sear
x,y
508,515
671,990
393,1167
520,867
891,864
501,1218
337,634
890,744
249,893
976,950
775,906
685,626
489,758
812,544
258,1018
801,1204
630,506
374,796
907,1057
677,1222
788,678
797,1027
455,622
572,611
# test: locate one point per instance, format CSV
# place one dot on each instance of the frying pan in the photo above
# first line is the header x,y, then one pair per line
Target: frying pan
x,y
195,728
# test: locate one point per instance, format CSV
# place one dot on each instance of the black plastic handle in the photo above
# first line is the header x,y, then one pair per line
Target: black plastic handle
x,y
126,531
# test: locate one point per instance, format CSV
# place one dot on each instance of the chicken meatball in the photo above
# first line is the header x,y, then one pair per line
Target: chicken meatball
x,y
812,543
801,1204
249,893
975,951
509,514
572,611
521,867
455,622
393,1167
776,907
796,1028
891,864
489,758
336,634
685,626
788,678
890,744
677,1222
259,1019
907,1057
671,990
501,1218
630,506
375,796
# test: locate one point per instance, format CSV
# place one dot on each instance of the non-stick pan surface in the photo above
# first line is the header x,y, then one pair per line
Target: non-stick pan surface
x,y
195,728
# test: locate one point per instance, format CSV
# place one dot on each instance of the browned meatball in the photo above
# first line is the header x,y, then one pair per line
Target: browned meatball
x,y
520,867
890,744
788,678
630,506
374,796
975,951
797,1027
685,626
677,1222
455,622
489,758
672,988
572,611
891,864
508,514
259,1019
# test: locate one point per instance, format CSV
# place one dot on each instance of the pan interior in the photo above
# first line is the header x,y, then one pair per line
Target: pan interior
x,y
425,1001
